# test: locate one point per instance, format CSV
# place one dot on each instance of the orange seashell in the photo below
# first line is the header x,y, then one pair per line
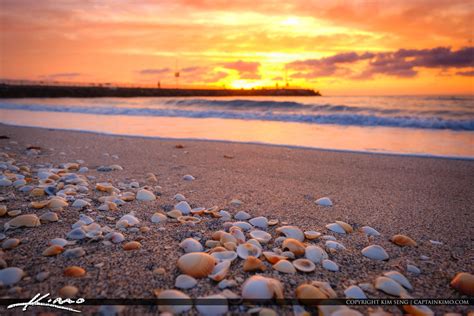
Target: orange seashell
x,y
254,264
347,228
293,245
273,257
53,250
39,204
74,271
306,292
402,240
132,245
196,264
37,192
464,283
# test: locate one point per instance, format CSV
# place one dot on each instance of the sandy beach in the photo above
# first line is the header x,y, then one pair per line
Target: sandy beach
x,y
427,199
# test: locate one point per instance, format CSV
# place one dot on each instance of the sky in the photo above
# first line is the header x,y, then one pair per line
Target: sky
x,y
337,47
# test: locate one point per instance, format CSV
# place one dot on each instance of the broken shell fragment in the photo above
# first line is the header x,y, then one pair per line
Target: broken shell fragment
x,y
196,264
188,220
324,201
273,257
304,265
402,240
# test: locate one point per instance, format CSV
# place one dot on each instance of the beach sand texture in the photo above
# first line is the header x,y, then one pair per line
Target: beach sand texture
x,y
424,198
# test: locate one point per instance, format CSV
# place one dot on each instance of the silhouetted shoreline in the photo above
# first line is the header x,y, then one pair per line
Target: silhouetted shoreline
x,y
43,91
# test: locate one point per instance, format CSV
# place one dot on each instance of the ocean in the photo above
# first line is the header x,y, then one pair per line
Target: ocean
x,y
410,125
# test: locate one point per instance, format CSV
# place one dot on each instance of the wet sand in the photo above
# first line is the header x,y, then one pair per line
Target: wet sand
x,y
424,198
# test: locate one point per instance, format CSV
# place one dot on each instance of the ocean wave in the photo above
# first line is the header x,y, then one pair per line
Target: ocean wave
x,y
345,119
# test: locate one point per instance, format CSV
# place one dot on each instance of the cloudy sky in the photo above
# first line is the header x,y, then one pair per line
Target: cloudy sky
x,y
338,47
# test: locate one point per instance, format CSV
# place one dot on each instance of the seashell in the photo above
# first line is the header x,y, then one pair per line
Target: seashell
x,y
158,218
59,241
273,222
145,195
220,271
130,219
259,287
49,217
237,233
76,234
400,278
369,231
91,227
291,232
74,271
3,210
260,222
236,202
57,203
272,257
284,266
14,213
77,224
293,245
307,292
311,234
224,215
389,286
304,265
39,204
224,255
53,250
80,204
10,276
355,292
213,310
324,201
419,310
226,237
464,283
402,240
253,264
108,206
375,252
202,210
10,243
347,228
179,197
128,196
184,207
189,220
315,254
330,265
5,183
226,284
261,236
168,295
132,245
189,177
185,282
243,225
288,255
37,192
413,269
40,277
212,243
334,227
26,220
242,216
248,249
115,237
191,245
74,253
325,287
196,264
230,246
174,213
68,291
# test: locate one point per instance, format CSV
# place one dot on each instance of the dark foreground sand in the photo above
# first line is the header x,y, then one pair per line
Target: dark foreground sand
x,y
427,199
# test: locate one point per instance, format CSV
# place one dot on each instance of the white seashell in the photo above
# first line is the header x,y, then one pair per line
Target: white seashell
x,y
375,252
184,207
330,265
331,244
369,231
304,265
76,234
328,237
224,284
284,266
242,216
291,232
400,278
59,241
174,309
189,177
80,204
10,276
78,224
115,237
355,292
74,253
184,282
191,245
179,197
145,195
224,256
225,216
5,183
315,254
49,217
237,234
311,234
158,218
260,222
213,310
244,225
220,271
259,287
413,269
261,236
389,286
130,219
288,255
334,227
86,219
236,202
435,242
248,249
324,201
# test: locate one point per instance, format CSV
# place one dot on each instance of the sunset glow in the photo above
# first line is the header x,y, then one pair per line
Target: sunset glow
x,y
337,47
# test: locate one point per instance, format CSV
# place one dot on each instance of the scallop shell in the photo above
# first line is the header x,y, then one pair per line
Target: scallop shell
x,y
27,220
158,218
291,232
196,264
74,271
389,286
273,257
184,282
132,245
213,310
10,276
369,231
400,278
324,201
355,292
259,287
334,227
261,236
260,222
242,216
183,207
311,234
284,266
254,264
330,265
220,271
464,283
248,249
315,254
375,252
224,255
293,245
304,265
402,240
10,243
145,195
191,245
53,250
168,295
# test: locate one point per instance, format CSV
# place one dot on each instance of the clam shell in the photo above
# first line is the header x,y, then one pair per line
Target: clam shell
x,y
402,240
76,234
254,264
58,241
238,234
196,264
293,245
255,242
132,245
188,177
224,256
347,228
259,287
291,232
74,271
315,254
325,287
220,271
158,218
39,204
400,278
375,252
26,220
74,252
413,269
389,286
11,275
53,250
273,257
57,203
248,249
464,283
306,292
334,227
49,217
115,237
130,219
86,219
68,291
184,207
261,236
243,225
311,234
145,195
185,282
213,310
330,265
179,197
304,265
273,222
190,220
419,310
191,245
10,243
174,213
260,222
226,237
172,295
80,204
355,292
324,201
369,231
284,266
225,216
